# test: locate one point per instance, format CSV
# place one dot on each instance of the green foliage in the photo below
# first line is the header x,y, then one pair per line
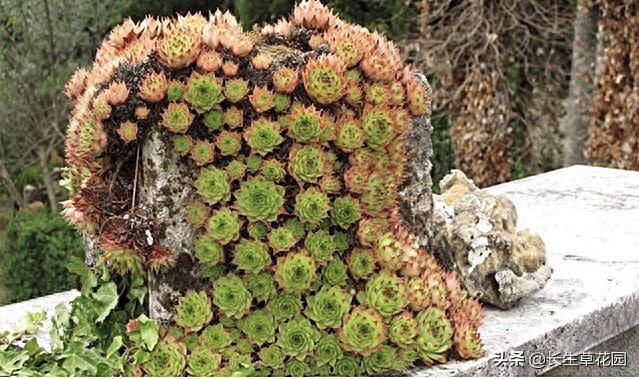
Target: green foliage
x,y
37,248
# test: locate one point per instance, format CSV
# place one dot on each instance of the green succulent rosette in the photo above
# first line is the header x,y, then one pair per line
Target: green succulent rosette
x,y
328,307
295,272
197,213
330,184
202,152
207,251
272,356
285,306
349,365
305,124
261,285
228,143
213,272
386,293
175,91
236,89
193,311
362,332
223,226
379,361
377,123
259,327
260,200
297,368
253,163
306,163
231,296
215,337
345,212
239,365
405,359
370,229
214,119
203,92
213,185
335,272
349,135
311,206
297,227
361,263
168,358
281,239
263,136
435,336
235,170
251,256
342,241
257,230
324,79
321,370
273,170
377,93
403,330
203,362
328,351
320,245
182,143
282,102
297,337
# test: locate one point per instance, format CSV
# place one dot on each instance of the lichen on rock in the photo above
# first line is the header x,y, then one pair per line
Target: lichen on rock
x,y
476,236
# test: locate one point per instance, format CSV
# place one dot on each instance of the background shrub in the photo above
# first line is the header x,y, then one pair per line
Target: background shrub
x,y
34,255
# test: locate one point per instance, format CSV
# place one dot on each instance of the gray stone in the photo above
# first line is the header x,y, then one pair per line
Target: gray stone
x,y
476,236
415,196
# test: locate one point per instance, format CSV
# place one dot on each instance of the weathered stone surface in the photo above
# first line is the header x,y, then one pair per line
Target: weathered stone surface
x,y
415,197
476,235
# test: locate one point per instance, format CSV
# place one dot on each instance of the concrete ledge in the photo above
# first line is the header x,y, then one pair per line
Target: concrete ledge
x,y
588,218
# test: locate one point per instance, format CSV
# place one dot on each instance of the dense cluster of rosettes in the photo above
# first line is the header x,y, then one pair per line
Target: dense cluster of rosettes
x,y
297,136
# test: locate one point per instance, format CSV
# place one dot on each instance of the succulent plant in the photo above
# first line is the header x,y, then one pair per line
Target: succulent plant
x,y
261,286
177,118
297,337
251,256
207,251
328,306
272,356
260,200
259,327
214,119
324,80
223,226
386,293
215,337
263,136
285,80
231,296
296,137
212,185
362,331
236,90
295,272
203,362
128,131
311,206
193,311
168,358
320,245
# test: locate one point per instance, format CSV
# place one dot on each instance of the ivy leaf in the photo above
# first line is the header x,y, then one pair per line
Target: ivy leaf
x,y
87,277
60,321
146,335
77,364
138,290
106,298
12,361
114,347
